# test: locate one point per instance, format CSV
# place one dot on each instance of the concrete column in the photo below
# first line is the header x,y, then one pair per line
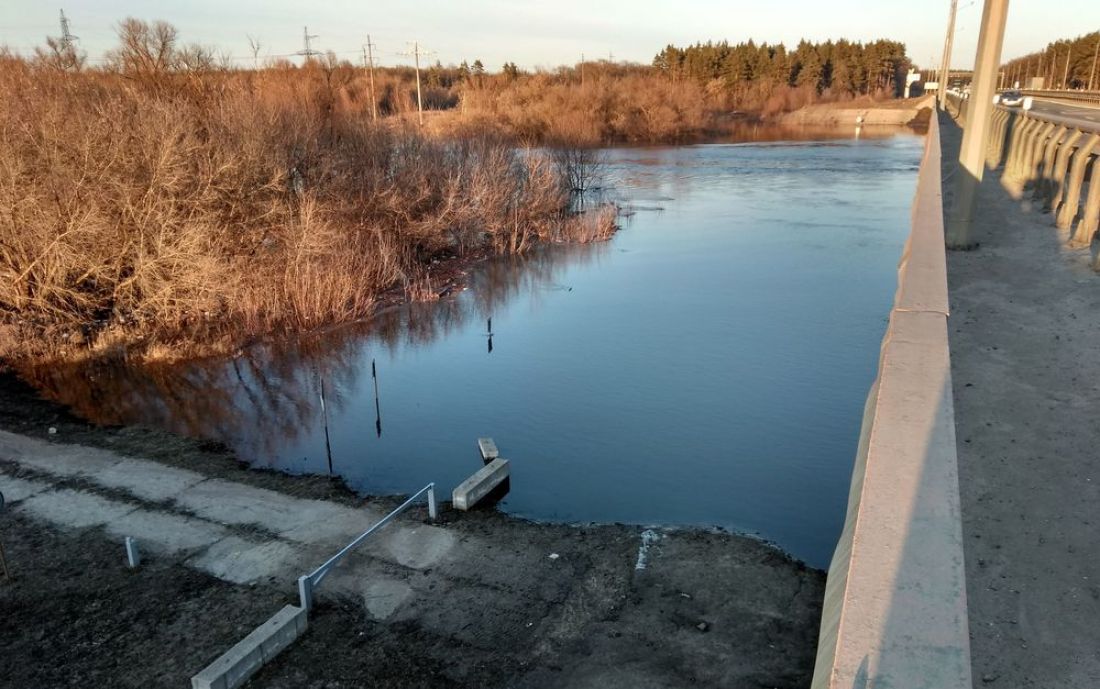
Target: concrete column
x,y
1057,189
1068,212
971,154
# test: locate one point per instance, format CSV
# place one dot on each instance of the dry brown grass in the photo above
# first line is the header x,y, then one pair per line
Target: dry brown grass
x,y
166,207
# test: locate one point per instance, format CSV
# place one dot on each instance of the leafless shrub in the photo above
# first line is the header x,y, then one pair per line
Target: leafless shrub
x,y
168,203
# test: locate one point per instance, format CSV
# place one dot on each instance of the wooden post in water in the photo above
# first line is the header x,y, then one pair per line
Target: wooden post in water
x,y
324,418
377,405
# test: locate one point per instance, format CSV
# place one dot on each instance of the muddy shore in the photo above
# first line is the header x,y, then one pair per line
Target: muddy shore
x,y
710,609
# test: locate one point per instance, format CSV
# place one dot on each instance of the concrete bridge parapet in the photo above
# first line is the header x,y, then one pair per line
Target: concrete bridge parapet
x,y
895,611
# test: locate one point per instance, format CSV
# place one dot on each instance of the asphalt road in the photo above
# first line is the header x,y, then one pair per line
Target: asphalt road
x,y
1083,114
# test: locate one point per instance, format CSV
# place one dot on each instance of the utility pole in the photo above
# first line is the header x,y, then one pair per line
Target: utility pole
x,y
945,63
1095,54
582,70
419,100
308,50
1065,74
976,131
369,47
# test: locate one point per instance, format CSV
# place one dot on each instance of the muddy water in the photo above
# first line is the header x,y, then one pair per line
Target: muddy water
x,y
708,366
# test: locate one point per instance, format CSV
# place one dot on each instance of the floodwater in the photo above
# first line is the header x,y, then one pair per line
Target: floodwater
x,y
706,367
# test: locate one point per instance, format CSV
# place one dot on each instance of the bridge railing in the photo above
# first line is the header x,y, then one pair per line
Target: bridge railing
x,y
1069,96
1054,158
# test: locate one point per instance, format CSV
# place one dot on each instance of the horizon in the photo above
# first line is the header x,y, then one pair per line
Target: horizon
x,y
534,36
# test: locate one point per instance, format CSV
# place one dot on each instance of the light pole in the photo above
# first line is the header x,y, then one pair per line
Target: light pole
x,y
979,108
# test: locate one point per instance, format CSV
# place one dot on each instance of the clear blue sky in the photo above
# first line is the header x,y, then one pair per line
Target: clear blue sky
x,y
545,33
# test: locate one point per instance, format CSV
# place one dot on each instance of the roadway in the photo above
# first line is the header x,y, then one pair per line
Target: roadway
x,y
1082,115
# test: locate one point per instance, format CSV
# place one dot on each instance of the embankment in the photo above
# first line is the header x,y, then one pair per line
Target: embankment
x,y
894,113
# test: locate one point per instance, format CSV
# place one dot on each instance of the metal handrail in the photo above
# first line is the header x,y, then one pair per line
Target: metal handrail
x,y
307,583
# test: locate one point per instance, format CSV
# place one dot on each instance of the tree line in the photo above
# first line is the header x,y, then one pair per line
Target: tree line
x,y
1068,63
839,67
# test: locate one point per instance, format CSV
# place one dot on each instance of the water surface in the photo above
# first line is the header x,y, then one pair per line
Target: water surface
x,y
708,366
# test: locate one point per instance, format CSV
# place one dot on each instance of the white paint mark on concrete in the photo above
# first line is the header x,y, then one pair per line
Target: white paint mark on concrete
x,y
649,537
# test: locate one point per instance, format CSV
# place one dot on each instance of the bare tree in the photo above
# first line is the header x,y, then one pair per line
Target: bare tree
x,y
61,55
144,49
254,47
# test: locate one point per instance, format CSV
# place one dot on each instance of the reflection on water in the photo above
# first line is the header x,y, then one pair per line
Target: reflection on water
x,y
271,394
707,366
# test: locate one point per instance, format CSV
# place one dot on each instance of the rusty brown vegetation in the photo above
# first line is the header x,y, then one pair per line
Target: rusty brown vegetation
x,y
167,204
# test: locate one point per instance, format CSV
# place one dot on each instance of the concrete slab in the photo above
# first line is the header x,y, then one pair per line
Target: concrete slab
x,y
55,458
147,480
383,597
74,509
166,533
240,561
235,503
418,547
15,489
469,492
334,525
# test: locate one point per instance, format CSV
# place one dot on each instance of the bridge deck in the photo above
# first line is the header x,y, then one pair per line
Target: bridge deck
x,y
1025,351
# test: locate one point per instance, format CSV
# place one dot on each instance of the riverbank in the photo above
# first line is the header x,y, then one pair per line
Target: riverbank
x,y
506,603
912,112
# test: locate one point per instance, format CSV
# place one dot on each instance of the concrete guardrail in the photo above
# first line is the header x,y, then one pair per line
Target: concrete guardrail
x,y
895,599
1056,158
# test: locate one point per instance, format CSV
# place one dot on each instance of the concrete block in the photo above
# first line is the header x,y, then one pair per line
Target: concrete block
x,y
469,492
70,508
236,665
488,449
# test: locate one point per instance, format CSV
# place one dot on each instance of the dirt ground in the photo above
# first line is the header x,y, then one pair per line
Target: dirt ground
x,y
1023,332
710,609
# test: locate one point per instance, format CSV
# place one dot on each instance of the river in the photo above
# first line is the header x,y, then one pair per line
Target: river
x,y
706,367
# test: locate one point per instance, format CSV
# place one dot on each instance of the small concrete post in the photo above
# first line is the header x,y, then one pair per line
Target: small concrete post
x,y
305,593
433,509
133,557
976,131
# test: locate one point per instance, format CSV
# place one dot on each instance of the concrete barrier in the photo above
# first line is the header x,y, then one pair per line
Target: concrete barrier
x,y
488,449
469,492
236,665
895,599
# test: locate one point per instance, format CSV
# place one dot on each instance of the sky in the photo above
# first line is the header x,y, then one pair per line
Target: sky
x,y
543,34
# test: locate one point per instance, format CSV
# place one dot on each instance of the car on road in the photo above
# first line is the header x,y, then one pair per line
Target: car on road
x,y
1012,99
